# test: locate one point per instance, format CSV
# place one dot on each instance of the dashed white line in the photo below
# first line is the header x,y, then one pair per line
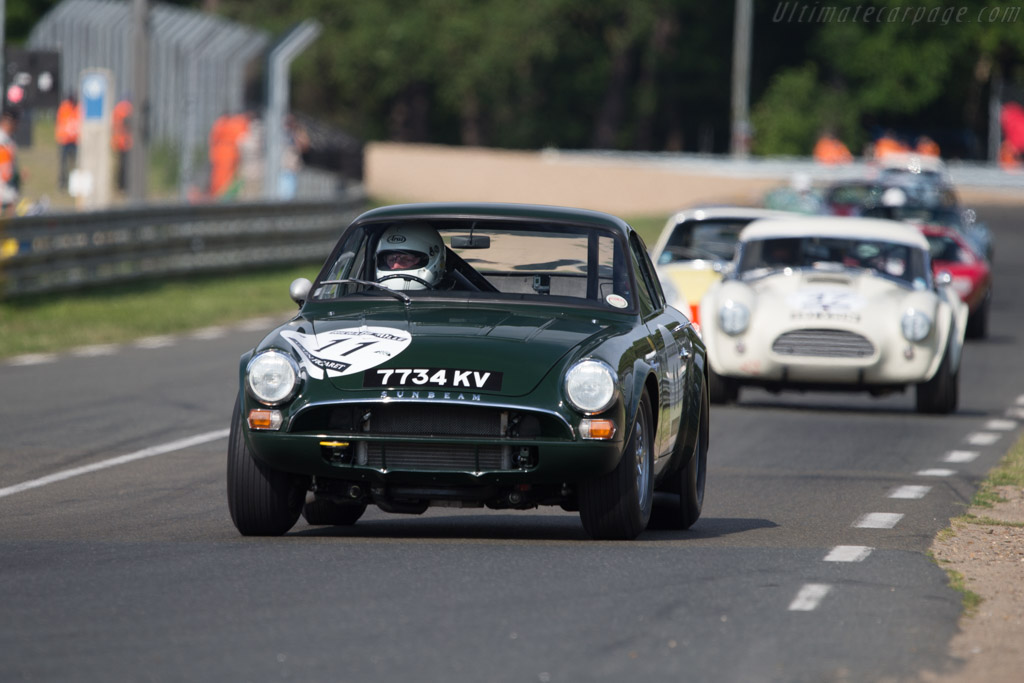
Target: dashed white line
x,y
936,472
33,359
1020,400
160,449
93,351
910,492
209,333
983,438
848,553
960,456
157,342
878,520
809,597
1016,412
1001,425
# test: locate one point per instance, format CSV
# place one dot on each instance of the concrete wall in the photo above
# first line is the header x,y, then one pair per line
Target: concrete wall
x,y
619,184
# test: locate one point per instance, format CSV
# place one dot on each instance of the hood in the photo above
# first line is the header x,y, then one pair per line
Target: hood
x,y
446,348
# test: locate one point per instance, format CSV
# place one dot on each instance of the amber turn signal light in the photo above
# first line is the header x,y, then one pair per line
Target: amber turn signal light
x,y
264,419
600,430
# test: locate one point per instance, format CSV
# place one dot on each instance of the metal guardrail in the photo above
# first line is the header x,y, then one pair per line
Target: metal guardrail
x,y
55,252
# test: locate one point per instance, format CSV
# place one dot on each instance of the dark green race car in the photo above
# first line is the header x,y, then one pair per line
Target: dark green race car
x,y
472,355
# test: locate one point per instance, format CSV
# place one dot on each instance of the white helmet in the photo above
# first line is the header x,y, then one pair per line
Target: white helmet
x,y
413,249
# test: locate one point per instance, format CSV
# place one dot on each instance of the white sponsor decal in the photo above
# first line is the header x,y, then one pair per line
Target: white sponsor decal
x,y
826,304
347,351
616,301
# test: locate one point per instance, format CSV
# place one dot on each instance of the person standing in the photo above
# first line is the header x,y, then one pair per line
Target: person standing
x,y
830,150
122,139
69,123
10,177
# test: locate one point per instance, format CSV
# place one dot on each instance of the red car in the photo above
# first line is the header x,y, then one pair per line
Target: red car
x,y
970,272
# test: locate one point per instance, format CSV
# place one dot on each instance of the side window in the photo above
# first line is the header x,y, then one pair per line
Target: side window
x,y
648,290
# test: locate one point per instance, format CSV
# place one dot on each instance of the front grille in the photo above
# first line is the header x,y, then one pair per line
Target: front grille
x,y
438,457
823,344
442,420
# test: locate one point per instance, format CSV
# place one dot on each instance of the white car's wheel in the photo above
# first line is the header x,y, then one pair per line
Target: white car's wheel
x,y
940,394
723,389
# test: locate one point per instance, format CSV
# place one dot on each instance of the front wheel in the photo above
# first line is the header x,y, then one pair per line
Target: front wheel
x,y
940,394
617,505
691,492
262,500
723,389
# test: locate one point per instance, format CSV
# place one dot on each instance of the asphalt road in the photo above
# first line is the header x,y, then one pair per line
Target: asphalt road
x,y
132,570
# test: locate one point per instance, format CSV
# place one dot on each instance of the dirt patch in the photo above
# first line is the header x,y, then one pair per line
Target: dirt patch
x,y
991,558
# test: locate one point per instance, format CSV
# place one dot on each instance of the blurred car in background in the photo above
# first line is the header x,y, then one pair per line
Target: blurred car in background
x,y
968,273
962,220
833,303
694,248
908,167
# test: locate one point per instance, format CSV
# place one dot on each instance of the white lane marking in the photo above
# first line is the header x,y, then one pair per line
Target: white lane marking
x,y
878,520
256,324
809,596
215,332
96,350
910,492
1001,425
160,449
33,359
936,472
157,342
983,438
849,553
1015,412
1020,400
960,456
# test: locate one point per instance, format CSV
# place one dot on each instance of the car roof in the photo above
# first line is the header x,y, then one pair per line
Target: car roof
x,y
836,226
487,210
718,212
908,161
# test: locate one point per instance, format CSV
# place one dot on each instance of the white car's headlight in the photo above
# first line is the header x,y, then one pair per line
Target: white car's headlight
x,y
916,325
734,317
590,386
272,376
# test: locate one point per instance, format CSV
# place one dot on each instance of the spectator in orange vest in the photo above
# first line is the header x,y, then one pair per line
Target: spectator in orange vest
x,y
10,178
122,139
830,150
69,122
223,156
888,144
927,147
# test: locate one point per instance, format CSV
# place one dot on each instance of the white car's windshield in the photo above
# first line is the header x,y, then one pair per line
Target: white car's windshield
x,y
896,261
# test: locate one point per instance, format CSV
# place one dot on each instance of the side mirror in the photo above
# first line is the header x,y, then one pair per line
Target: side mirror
x,y
943,278
298,290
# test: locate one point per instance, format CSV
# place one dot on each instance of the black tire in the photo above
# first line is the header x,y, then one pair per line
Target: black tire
x,y
617,505
326,512
723,390
940,394
262,500
693,476
977,322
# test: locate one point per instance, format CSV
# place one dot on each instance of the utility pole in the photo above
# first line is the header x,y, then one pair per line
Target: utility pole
x,y
742,40
138,155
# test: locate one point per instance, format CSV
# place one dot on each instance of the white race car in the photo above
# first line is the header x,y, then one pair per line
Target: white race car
x,y
834,303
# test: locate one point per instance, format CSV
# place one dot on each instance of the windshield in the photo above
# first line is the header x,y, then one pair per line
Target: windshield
x,y
900,262
945,248
481,259
707,239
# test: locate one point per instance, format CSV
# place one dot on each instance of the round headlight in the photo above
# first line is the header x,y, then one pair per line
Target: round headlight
x,y
734,317
273,377
916,325
590,386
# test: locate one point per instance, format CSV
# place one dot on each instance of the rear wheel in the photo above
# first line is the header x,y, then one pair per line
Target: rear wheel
x,y
940,394
262,500
691,492
617,505
326,512
723,389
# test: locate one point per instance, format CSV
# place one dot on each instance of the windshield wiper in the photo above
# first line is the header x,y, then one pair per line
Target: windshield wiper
x,y
368,283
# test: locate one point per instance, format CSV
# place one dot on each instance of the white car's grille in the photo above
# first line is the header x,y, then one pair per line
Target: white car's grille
x,y
823,344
